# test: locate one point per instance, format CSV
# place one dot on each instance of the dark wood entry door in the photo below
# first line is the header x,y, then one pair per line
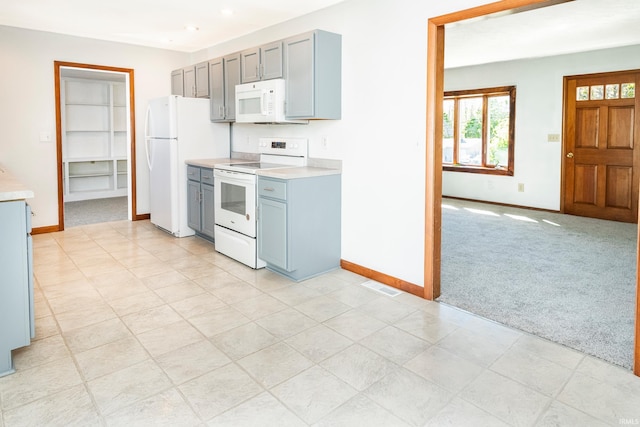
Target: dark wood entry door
x,y
602,160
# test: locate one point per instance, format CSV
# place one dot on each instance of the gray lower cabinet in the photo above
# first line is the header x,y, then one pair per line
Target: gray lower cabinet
x,y
200,201
224,75
313,75
17,324
299,225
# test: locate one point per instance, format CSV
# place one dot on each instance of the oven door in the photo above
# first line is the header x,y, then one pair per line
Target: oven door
x,y
235,201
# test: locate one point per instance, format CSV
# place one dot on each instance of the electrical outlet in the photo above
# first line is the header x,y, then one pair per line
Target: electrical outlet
x,y
553,137
520,187
324,142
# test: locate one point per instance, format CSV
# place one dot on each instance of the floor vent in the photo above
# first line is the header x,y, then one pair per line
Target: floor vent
x,y
383,289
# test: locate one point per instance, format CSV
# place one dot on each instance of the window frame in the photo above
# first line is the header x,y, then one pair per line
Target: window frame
x,y
485,93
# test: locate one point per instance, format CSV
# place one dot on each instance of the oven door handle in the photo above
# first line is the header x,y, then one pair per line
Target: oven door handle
x,y
234,176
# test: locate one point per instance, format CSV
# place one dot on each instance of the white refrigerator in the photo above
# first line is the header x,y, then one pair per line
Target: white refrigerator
x,y
178,129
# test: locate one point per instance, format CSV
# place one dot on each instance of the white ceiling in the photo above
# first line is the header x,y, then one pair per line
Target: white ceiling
x,y
155,23
575,26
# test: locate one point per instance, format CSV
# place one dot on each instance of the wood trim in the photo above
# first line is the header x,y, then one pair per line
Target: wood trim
x,y
394,282
140,217
636,354
490,8
433,178
56,70
132,154
47,229
433,160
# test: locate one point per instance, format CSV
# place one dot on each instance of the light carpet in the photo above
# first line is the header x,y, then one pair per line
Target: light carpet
x,y
95,211
565,278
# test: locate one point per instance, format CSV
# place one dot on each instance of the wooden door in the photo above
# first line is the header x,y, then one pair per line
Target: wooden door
x,y
602,159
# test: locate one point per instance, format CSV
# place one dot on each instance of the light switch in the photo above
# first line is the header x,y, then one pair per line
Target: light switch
x,y
553,137
45,136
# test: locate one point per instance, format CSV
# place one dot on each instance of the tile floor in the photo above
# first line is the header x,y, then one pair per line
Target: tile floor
x,y
135,327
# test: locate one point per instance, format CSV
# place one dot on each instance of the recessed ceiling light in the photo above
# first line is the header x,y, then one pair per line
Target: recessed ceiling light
x,y
226,12
191,28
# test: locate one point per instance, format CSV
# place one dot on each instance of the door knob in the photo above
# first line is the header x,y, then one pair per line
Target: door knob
x,y
570,155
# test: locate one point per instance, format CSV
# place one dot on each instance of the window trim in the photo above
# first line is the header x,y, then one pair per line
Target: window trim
x,y
485,93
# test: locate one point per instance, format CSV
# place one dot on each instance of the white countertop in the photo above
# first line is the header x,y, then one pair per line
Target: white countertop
x,y
210,163
11,188
284,173
298,172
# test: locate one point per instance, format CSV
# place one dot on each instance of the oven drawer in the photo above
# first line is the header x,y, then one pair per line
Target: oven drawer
x,y
193,173
272,188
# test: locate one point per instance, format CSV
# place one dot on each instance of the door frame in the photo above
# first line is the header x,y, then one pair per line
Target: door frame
x,y
57,65
433,159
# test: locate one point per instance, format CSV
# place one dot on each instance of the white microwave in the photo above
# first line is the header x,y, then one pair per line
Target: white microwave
x,y
262,102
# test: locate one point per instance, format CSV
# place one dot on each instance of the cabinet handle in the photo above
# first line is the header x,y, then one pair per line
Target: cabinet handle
x,y
258,71
269,189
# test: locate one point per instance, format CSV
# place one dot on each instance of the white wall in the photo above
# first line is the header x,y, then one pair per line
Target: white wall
x,y
380,138
538,113
27,104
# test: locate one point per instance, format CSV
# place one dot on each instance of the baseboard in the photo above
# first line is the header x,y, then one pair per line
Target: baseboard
x,y
464,199
140,217
47,229
394,282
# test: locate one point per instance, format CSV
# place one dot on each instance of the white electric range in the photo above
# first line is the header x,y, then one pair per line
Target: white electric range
x,y
235,196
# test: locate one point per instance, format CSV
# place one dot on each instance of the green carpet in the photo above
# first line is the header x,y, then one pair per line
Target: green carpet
x,y
565,278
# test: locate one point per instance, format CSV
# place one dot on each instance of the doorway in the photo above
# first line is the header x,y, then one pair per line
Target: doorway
x,y
601,158
434,132
95,144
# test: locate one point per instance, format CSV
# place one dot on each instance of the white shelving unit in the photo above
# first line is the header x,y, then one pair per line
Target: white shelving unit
x,y
94,139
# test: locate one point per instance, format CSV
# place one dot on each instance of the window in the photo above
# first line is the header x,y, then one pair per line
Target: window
x,y
478,130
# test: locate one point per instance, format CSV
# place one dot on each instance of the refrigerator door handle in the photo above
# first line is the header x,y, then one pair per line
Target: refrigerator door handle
x,y
146,135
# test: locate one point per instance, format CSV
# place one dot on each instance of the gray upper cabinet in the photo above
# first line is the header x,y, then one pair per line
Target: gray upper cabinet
x,y
224,75
177,82
191,81
313,75
202,80
262,63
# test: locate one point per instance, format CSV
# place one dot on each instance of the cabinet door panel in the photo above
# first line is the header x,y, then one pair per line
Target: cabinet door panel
x,y
208,218
299,70
202,80
231,79
216,89
190,82
177,82
251,65
271,61
193,205
272,232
